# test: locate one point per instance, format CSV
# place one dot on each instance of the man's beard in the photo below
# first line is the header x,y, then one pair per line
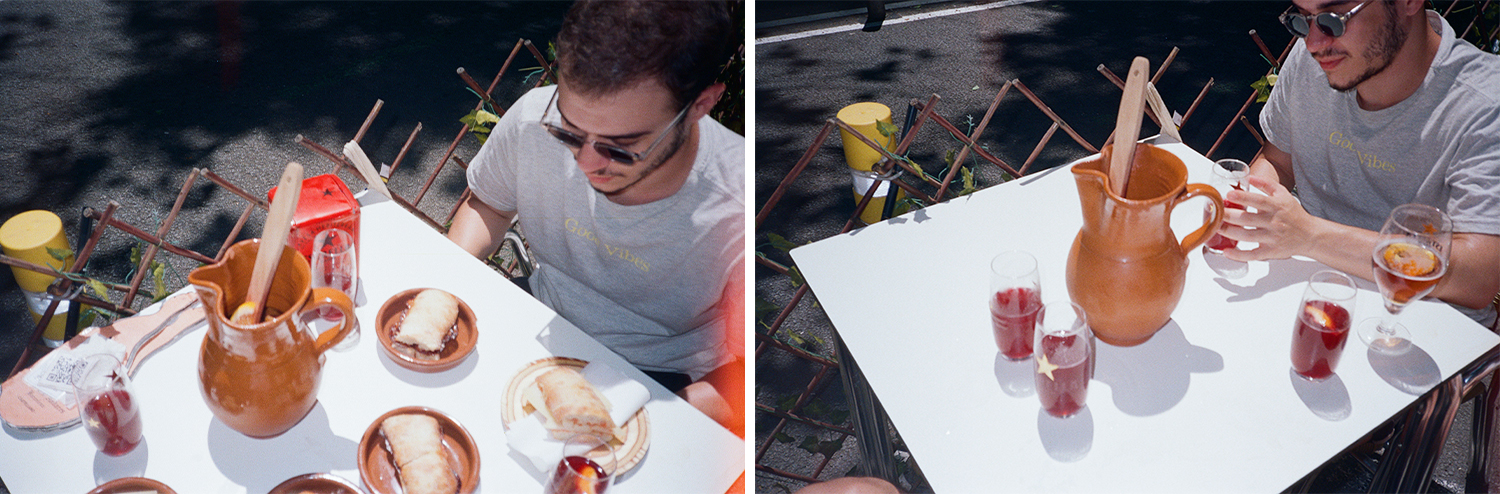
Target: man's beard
x,y
1381,54
671,150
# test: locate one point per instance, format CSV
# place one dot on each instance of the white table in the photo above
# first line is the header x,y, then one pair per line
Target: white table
x,y
1209,404
192,452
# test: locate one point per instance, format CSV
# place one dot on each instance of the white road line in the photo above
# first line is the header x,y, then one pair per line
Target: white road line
x,y
888,22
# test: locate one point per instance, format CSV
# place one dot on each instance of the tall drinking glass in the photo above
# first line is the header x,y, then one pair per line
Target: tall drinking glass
x,y
1322,328
1228,174
1015,298
583,467
335,265
1064,358
1410,257
107,405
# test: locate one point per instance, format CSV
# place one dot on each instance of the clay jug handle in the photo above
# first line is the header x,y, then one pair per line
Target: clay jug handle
x,y
328,297
1203,233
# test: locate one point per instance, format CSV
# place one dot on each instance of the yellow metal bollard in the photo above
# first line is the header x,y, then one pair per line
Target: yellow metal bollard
x,y
866,118
35,236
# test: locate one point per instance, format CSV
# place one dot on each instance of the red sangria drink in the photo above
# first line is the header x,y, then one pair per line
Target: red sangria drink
x,y
1322,327
1228,174
1013,313
1318,341
1064,354
1015,298
578,475
107,406
1062,388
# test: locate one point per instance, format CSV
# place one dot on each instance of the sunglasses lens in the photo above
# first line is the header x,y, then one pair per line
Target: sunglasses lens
x,y
1330,25
568,138
614,153
1296,24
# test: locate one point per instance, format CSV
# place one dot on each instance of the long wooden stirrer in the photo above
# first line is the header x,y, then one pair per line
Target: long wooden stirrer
x,y
268,254
1128,125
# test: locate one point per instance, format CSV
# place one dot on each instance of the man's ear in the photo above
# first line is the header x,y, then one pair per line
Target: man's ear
x,y
706,101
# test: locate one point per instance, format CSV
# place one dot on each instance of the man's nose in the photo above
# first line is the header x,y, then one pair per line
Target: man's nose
x,y
590,160
1316,40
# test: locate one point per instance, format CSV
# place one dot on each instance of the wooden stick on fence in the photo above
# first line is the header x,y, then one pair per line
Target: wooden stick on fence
x,y
360,136
161,232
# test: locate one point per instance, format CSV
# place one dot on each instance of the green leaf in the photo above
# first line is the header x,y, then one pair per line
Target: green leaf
x,y
764,307
838,417
781,243
98,288
811,444
135,254
796,276
159,277
886,128
786,403
784,437
60,254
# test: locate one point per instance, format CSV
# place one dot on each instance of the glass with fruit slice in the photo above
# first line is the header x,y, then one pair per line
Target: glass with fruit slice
x,y
1322,324
579,472
1409,259
1064,358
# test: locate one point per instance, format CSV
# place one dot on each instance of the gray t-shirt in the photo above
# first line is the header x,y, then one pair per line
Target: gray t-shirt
x,y
1440,146
646,280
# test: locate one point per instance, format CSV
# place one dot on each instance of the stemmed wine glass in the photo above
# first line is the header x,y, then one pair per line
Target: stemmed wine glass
x,y
1410,258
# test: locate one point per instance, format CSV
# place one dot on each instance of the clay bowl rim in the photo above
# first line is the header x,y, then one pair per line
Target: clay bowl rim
x,y
468,478
128,484
316,482
466,339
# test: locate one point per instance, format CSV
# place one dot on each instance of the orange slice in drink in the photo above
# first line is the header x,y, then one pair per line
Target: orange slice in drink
x,y
1410,260
1318,316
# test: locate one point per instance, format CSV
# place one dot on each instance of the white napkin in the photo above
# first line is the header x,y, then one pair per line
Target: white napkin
x,y
623,395
54,373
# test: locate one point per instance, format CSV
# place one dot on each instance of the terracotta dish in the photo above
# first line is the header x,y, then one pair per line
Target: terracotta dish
x,y
316,483
132,484
378,472
465,335
634,443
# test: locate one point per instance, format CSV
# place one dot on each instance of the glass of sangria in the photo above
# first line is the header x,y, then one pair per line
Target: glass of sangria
x,y
1323,321
107,404
582,469
335,265
1015,298
1064,358
1228,174
1410,257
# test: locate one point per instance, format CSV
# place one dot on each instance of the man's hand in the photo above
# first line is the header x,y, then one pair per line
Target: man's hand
x,y
1279,224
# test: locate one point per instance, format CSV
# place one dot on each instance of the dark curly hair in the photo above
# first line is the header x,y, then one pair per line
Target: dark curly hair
x,y
606,46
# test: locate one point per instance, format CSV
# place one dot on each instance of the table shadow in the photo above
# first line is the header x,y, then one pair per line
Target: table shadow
x,y
1328,399
1283,273
1152,377
1412,371
1069,439
132,464
261,464
430,379
1016,378
1226,268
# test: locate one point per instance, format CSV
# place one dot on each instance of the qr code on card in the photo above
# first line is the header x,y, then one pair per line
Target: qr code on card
x,y
63,370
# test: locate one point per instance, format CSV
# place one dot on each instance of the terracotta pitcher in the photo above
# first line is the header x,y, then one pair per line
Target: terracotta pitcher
x,y
1126,268
261,379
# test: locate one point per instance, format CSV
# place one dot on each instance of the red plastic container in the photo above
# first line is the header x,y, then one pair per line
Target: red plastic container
x,y
325,203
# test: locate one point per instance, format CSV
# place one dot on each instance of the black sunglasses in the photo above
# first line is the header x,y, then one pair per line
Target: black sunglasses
x,y
1330,23
613,152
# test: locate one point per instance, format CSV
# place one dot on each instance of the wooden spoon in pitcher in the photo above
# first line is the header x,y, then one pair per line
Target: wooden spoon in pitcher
x,y
273,237
1128,125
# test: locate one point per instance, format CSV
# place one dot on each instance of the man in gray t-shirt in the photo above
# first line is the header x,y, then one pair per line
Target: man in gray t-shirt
x,y
630,196
1378,105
